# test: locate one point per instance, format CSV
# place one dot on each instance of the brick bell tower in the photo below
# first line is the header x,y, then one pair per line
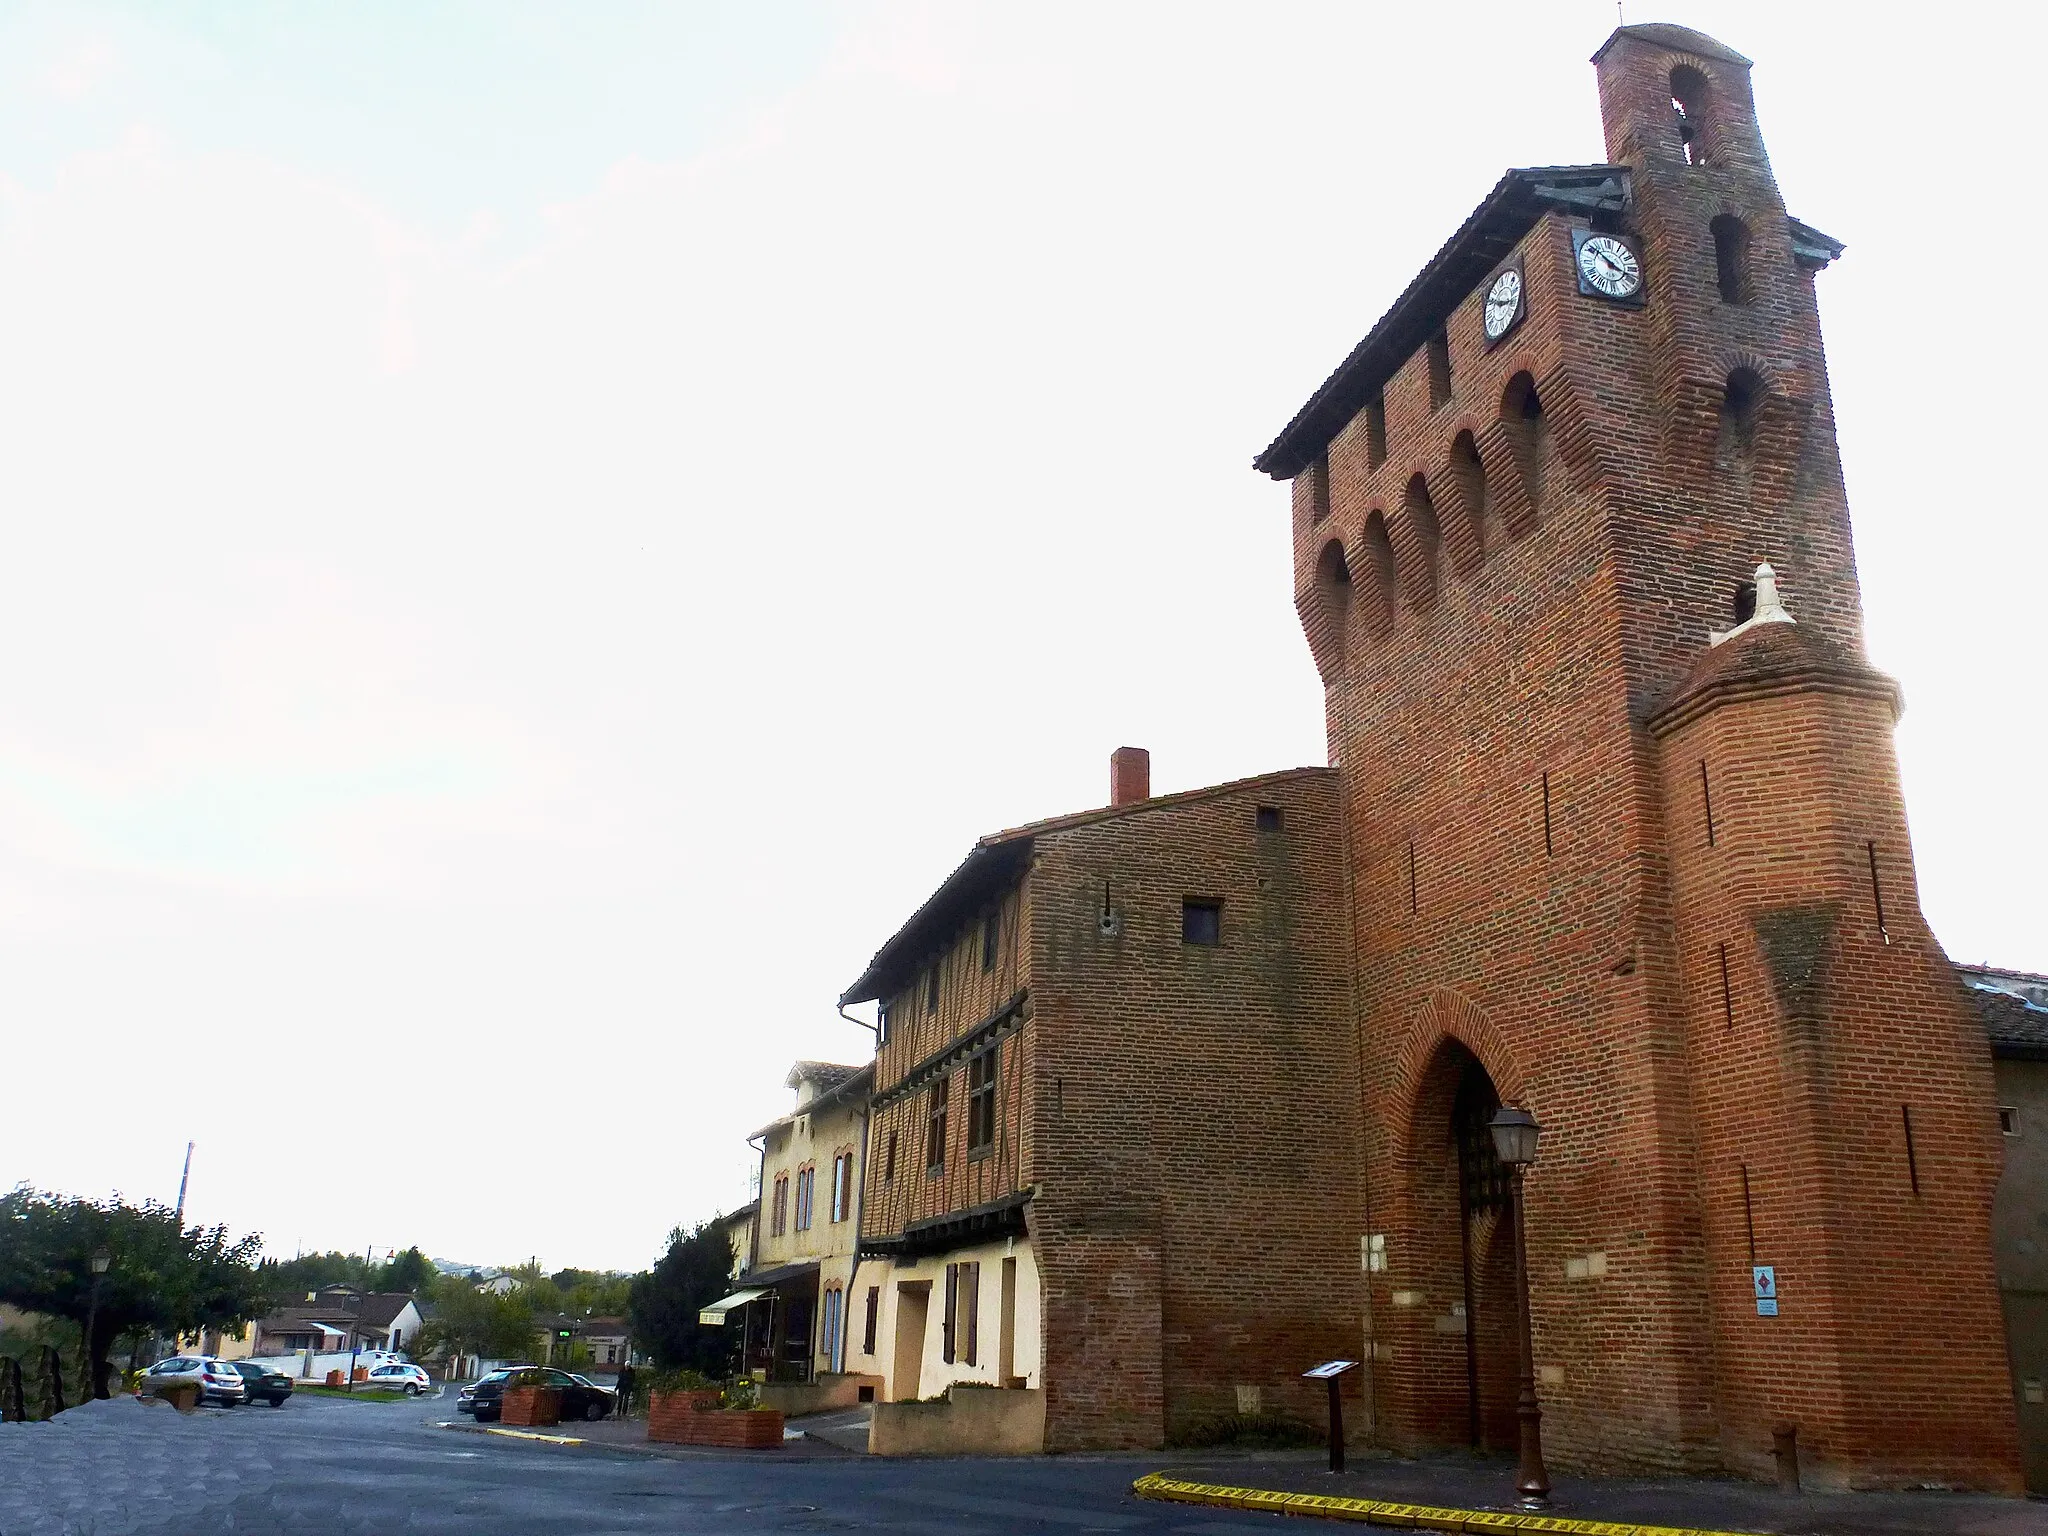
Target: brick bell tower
x,y
1655,886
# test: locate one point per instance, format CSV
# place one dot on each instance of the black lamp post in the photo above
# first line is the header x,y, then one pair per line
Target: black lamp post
x,y
101,1262
1514,1141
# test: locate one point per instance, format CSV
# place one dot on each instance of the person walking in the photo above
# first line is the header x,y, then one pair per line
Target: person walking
x,y
624,1407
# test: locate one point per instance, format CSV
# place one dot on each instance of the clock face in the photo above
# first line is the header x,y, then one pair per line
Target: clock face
x,y
1607,266
1503,304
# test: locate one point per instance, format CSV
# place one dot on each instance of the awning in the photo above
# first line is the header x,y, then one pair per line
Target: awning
x,y
714,1315
333,1333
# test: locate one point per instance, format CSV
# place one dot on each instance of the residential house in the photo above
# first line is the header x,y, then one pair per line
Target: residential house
x,y
1117,1057
2014,1007
338,1319
739,1233
790,1301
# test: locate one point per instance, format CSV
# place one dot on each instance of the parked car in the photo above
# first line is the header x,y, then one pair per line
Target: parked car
x,y
409,1379
581,1399
273,1386
218,1381
465,1400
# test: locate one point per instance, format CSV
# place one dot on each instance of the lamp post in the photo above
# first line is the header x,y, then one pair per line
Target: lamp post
x,y
101,1262
1514,1142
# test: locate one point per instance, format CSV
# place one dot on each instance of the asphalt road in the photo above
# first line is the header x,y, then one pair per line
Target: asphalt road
x,y
321,1465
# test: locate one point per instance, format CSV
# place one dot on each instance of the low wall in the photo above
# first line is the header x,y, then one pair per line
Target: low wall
x,y
972,1421
694,1418
830,1390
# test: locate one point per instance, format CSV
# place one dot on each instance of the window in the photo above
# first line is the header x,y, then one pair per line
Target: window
x,y
931,990
981,1103
806,1181
842,1186
2008,1120
1731,258
1201,922
1319,488
1268,818
835,1302
882,1025
1333,583
867,1338
963,1309
1439,371
1689,112
1739,401
991,940
1376,432
780,1223
935,1129
889,1160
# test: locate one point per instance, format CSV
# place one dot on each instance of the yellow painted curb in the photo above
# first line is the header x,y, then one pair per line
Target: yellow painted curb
x,y
527,1434
1157,1485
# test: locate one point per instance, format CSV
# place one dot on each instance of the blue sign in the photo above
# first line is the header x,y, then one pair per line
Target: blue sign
x,y
1765,1278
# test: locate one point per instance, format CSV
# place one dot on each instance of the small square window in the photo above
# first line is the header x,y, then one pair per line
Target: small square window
x,y
1269,818
2008,1120
1201,922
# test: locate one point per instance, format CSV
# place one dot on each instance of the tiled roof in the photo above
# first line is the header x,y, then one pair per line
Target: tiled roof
x,y
2018,1028
826,1074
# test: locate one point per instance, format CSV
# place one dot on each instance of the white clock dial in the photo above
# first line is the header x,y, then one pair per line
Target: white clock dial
x,y
1609,266
1503,304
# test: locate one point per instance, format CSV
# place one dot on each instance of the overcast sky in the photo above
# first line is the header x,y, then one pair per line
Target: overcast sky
x,y
537,533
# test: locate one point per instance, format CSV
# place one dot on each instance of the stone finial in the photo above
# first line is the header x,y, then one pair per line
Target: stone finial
x,y
1770,608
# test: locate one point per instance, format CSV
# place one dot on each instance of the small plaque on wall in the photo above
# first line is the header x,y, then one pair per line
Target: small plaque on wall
x,y
1764,1277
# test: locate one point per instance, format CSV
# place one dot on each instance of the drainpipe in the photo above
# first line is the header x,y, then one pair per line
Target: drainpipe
x,y
860,1196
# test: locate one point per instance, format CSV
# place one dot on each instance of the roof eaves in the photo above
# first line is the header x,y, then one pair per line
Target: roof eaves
x,y
1482,242
1183,797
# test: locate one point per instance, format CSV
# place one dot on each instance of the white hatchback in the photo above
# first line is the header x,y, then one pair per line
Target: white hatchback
x,y
409,1379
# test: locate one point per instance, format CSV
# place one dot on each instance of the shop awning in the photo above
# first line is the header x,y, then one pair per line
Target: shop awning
x,y
715,1314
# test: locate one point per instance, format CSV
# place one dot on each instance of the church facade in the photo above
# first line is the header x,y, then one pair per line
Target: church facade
x,y
1622,843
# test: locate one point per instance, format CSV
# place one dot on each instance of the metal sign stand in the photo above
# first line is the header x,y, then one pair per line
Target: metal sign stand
x,y
1330,1371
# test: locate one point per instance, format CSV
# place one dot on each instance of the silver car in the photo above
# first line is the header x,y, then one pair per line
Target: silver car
x,y
218,1382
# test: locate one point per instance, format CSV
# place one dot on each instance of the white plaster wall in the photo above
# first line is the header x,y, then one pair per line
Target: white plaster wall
x,y
935,1373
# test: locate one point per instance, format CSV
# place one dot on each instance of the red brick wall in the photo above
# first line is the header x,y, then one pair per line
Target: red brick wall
x,y
1197,1219
1888,1350
1557,612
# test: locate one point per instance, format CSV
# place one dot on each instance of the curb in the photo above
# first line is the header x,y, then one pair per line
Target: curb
x,y
527,1434
1158,1485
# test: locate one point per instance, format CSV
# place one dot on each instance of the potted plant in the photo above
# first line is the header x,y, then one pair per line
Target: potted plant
x,y
530,1402
685,1408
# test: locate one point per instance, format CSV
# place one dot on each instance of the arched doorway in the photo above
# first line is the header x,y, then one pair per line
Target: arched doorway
x,y
1465,1257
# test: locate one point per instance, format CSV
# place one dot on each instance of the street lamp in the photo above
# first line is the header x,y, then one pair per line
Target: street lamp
x,y
1514,1141
101,1262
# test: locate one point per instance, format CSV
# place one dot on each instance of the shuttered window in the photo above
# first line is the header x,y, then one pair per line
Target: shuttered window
x,y
952,1306
867,1336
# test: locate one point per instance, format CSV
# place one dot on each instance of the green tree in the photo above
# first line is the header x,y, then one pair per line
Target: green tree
x,y
664,1302
476,1322
160,1275
411,1272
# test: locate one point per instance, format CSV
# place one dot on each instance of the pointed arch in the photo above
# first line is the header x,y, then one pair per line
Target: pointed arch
x,y
1375,580
1466,487
1424,533
1526,427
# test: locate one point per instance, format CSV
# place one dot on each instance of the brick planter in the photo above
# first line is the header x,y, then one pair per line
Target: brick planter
x,y
532,1407
694,1418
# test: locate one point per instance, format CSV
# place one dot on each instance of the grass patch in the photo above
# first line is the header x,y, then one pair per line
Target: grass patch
x,y
361,1394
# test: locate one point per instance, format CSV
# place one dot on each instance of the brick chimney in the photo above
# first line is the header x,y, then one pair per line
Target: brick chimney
x,y
1130,776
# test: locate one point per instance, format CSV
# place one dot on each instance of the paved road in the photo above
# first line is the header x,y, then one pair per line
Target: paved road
x,y
322,1465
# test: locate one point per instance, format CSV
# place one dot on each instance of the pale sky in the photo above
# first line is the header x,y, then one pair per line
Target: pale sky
x,y
537,533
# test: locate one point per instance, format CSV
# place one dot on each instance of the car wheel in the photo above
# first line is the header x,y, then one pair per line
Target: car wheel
x,y
277,1402
592,1412
412,1389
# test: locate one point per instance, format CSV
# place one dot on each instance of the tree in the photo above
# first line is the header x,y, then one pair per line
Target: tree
x,y
665,1301
160,1276
411,1272
474,1322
